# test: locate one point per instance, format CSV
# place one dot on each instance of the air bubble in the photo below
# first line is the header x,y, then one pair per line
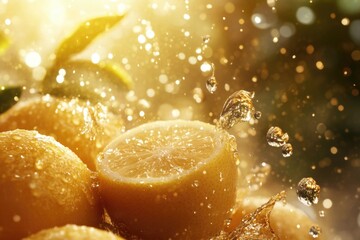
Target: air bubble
x,y
308,191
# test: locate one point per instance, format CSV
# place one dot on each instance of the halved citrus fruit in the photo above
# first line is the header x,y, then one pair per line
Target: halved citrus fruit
x,y
43,184
81,126
170,179
73,232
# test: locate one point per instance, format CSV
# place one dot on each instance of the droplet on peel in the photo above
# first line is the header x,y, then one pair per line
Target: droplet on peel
x,y
287,150
237,108
308,191
211,84
276,137
315,231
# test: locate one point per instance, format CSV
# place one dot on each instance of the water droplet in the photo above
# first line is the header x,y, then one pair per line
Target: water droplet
x,y
287,150
237,108
315,231
39,164
322,213
276,137
308,191
211,84
206,39
257,115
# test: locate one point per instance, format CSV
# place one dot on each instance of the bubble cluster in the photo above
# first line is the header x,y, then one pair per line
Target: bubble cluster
x,y
237,108
308,191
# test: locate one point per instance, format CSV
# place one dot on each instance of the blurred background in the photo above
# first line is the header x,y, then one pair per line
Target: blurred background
x,y
301,58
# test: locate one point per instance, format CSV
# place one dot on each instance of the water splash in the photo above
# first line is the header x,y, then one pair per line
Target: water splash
x,y
237,108
255,225
308,191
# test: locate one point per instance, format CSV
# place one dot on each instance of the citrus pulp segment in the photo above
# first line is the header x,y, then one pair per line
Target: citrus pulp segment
x,y
169,179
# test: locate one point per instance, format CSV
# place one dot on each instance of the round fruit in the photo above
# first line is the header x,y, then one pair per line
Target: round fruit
x,y
82,127
287,221
73,232
169,179
42,184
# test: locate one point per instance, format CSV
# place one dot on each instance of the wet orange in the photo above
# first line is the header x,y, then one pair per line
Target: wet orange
x,y
79,125
42,184
169,179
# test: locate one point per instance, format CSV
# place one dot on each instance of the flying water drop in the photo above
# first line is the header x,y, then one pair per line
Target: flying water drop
x,y
315,231
211,83
237,108
308,191
276,137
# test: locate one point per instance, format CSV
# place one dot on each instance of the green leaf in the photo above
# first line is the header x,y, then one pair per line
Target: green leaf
x,y
4,43
86,80
83,36
9,96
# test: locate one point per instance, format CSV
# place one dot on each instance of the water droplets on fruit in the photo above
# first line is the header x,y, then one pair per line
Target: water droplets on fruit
x,y
315,231
237,108
308,191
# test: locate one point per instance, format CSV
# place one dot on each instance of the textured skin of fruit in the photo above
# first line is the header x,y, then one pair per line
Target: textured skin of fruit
x,y
42,184
73,232
78,125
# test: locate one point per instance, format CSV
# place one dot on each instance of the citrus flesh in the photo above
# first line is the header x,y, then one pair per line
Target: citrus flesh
x,y
79,125
169,179
73,232
42,184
